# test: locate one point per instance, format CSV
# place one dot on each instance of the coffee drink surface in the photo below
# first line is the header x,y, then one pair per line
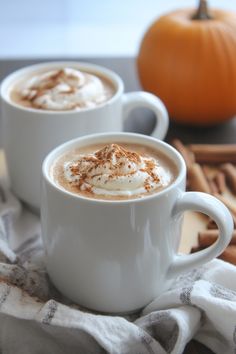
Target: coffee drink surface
x,y
61,90
114,171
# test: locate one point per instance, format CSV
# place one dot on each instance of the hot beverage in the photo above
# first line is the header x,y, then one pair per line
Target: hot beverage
x,y
61,89
113,171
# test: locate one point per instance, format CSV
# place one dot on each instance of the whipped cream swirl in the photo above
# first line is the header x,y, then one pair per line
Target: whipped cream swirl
x,y
116,171
64,89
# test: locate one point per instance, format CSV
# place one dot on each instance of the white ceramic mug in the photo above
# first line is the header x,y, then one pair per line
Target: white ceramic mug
x,y
118,255
29,134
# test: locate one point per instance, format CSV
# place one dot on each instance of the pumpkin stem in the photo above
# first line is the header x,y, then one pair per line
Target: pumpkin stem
x,y
202,12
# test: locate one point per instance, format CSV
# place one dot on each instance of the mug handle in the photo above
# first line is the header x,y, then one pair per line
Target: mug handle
x,y
134,100
207,204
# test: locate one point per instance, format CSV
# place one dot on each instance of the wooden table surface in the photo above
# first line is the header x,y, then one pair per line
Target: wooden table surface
x,y
143,121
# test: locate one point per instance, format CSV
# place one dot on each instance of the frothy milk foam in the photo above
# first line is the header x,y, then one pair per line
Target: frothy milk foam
x,y
61,90
113,171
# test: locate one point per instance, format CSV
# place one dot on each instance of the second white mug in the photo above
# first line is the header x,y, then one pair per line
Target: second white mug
x,y
29,133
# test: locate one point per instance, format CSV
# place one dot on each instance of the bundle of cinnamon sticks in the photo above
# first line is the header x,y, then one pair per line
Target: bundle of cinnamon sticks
x,y
211,169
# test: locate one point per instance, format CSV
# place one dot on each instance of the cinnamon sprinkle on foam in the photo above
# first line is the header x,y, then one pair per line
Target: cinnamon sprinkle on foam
x,y
114,170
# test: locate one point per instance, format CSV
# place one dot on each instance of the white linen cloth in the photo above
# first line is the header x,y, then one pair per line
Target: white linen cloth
x,y
35,318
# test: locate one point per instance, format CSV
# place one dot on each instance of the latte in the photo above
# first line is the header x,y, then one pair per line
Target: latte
x,y
113,171
61,90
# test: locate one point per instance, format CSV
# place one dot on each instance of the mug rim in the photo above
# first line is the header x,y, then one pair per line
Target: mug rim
x,y
98,138
94,68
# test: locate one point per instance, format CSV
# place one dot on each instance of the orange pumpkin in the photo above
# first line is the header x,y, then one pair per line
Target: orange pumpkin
x,y
189,61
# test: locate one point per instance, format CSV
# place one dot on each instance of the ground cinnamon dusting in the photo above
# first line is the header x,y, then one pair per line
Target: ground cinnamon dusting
x,y
51,82
107,155
114,149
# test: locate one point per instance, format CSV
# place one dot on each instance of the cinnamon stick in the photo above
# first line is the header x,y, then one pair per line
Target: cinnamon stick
x,y
208,171
197,179
187,155
213,153
230,174
209,177
196,249
229,254
208,237
228,203
213,186
234,220
219,180
211,225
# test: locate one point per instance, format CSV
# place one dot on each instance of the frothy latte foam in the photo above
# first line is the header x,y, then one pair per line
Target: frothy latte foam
x,y
113,171
61,90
